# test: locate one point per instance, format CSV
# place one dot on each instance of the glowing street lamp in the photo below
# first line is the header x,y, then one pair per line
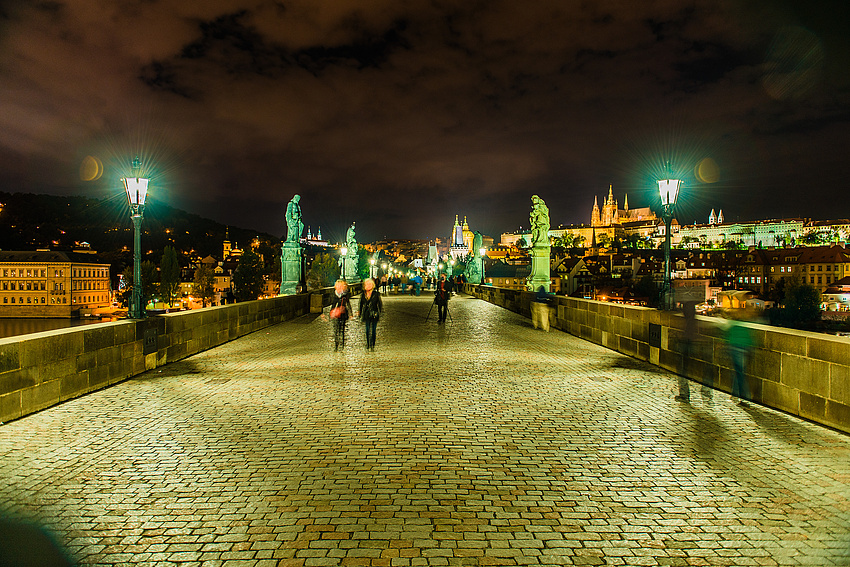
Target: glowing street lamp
x,y
137,191
669,191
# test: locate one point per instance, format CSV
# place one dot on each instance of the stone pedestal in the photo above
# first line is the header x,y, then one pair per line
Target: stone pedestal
x,y
290,268
474,269
349,267
539,268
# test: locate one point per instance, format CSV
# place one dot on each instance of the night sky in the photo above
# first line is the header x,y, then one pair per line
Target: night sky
x,y
399,115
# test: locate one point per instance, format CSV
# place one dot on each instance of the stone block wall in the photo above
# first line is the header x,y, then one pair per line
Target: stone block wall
x,y
43,369
802,373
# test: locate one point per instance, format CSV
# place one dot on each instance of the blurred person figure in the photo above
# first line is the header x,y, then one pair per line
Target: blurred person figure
x,y
339,311
688,346
540,309
370,309
739,342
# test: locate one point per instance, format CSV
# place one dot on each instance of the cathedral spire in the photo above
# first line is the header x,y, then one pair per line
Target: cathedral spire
x,y
626,203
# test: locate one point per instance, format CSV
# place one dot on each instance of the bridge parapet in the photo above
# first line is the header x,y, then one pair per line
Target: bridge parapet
x,y
803,373
40,370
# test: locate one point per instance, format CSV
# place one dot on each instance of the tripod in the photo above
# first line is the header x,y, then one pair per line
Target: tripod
x,y
447,312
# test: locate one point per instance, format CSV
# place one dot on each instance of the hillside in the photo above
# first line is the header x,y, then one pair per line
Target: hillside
x,y
29,221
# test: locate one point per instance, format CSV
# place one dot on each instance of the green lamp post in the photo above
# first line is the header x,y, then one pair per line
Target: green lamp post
x,y
669,191
136,187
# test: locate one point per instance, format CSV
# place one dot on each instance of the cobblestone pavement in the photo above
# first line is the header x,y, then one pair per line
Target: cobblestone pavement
x,y
480,442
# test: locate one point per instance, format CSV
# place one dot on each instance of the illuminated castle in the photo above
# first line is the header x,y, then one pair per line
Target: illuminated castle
x,y
611,214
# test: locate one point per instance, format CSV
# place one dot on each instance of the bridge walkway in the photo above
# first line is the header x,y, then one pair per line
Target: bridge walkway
x,y
479,442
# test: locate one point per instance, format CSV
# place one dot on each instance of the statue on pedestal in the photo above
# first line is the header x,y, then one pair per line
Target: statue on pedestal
x,y
294,224
540,246
291,257
474,269
348,263
539,222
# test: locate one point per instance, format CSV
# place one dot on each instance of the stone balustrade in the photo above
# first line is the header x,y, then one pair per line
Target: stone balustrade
x,y
805,374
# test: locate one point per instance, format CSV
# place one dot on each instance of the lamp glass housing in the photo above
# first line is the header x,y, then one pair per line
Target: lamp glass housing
x,y
137,190
669,190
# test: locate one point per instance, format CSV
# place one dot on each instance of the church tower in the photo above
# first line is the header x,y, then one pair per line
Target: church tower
x,y
712,218
610,208
595,219
226,248
720,217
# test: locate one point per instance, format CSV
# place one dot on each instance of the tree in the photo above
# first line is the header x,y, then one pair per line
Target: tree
x,y
645,287
363,265
603,241
522,242
204,284
686,240
148,272
802,304
324,271
169,275
248,281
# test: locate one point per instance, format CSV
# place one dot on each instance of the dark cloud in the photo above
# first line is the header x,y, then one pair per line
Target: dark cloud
x,y
400,115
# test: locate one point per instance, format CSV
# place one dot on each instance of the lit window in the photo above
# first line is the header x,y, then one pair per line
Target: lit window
x,y
42,300
782,269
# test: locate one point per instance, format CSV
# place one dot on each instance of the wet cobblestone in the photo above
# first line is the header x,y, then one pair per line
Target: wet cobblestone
x,y
478,442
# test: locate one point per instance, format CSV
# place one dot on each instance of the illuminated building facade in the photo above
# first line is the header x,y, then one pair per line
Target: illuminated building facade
x,y
46,283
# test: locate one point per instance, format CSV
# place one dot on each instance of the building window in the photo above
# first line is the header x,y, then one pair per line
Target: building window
x,y
29,300
782,269
42,300
819,279
21,300
812,279
820,268
5,299
13,300
44,273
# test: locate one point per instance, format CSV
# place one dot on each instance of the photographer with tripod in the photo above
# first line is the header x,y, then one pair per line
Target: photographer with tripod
x,y
441,298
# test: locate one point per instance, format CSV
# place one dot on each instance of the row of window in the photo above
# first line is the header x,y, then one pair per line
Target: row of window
x,y
83,285
90,299
43,300
23,286
30,300
30,273
37,272
757,279
99,273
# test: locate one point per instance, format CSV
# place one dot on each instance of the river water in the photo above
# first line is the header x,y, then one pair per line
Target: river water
x,y
15,327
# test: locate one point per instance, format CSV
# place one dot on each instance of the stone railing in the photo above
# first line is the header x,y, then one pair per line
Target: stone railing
x,y
802,373
43,369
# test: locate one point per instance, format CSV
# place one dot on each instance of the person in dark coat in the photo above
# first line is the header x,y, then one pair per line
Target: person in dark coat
x,y
370,310
441,298
340,309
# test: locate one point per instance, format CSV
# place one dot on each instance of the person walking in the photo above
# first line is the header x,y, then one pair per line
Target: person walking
x,y
340,309
370,310
441,298
739,341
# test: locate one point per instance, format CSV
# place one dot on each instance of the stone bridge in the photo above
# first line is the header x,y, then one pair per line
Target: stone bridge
x,y
479,442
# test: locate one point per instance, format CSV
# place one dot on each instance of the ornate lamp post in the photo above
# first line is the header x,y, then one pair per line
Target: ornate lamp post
x,y
372,269
669,190
137,191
